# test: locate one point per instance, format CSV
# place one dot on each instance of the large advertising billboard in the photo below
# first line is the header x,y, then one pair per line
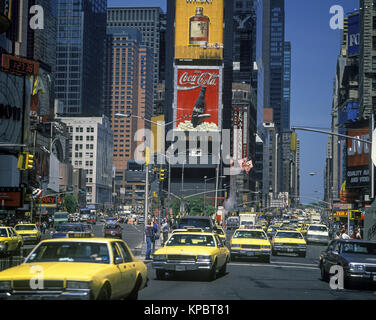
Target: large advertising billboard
x,y
358,157
354,35
198,98
199,30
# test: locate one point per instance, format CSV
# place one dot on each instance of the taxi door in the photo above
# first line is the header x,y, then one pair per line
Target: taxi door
x,y
12,243
117,279
222,252
127,269
17,238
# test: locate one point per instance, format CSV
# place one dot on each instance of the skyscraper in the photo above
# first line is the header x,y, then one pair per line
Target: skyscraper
x,y
147,21
128,90
80,56
270,56
286,87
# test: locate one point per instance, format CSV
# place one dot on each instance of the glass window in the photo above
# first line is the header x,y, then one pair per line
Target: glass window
x,y
115,251
124,250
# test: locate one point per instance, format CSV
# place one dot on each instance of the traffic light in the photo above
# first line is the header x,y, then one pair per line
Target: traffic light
x,y
21,161
29,161
162,174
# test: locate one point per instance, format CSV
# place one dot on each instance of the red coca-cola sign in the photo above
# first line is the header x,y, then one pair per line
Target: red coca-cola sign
x,y
198,95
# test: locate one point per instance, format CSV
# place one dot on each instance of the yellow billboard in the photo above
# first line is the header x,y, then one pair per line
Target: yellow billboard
x,y
199,30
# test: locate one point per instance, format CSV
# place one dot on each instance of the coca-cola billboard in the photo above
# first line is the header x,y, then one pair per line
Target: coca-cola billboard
x,y
198,97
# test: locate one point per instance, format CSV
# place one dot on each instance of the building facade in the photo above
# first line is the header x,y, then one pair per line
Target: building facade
x,y
91,149
148,21
80,56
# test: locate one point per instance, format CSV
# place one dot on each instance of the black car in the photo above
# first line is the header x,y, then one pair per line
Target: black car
x,y
356,257
205,223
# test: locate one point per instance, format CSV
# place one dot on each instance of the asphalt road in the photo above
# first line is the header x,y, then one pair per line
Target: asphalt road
x,y
285,278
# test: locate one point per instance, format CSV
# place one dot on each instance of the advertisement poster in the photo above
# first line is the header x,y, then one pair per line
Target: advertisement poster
x,y
354,35
358,157
198,92
199,30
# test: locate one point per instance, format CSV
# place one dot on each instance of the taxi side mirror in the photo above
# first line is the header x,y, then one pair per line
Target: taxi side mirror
x,y
118,260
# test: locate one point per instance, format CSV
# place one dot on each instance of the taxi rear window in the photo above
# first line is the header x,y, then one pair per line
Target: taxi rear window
x,y
191,240
71,252
3,232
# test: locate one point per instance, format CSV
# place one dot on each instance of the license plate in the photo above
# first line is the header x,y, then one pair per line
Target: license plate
x,y
374,278
179,268
243,251
290,250
250,253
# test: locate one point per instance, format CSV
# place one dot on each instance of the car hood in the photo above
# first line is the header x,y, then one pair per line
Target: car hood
x,y
361,258
251,241
318,233
21,232
55,270
289,240
189,250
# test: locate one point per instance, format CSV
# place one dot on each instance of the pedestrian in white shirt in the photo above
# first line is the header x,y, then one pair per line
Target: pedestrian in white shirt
x,y
344,235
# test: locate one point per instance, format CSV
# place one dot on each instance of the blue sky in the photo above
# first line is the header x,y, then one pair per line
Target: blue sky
x,y
315,47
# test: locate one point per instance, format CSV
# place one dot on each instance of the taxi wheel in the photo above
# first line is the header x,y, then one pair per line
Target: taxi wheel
x,y
160,274
266,259
274,253
222,271
134,294
233,257
105,293
213,272
324,274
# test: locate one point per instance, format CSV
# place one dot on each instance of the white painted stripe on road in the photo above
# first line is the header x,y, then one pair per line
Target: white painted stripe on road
x,y
271,265
296,263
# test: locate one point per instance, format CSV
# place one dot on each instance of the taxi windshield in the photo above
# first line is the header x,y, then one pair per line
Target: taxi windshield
x,y
25,227
70,252
3,232
67,228
293,235
191,240
249,235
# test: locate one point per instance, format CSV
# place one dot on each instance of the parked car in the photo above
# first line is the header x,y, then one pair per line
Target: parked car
x,y
356,257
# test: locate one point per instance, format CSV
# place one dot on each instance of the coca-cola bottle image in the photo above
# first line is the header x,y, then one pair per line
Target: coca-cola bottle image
x,y
199,109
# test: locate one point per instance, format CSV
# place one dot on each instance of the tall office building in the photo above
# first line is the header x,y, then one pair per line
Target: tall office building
x,y
80,56
286,87
148,21
128,90
270,56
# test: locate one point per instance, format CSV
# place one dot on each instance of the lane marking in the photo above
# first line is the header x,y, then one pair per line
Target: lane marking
x,y
271,265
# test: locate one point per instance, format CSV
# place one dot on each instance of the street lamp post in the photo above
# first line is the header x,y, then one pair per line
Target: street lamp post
x,y
205,195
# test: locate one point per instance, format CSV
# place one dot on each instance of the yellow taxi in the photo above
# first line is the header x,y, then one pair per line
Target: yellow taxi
x,y
29,232
221,233
289,241
185,229
191,251
249,243
10,241
76,268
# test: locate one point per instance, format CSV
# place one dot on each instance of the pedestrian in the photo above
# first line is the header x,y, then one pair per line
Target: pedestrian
x,y
358,236
149,238
165,230
44,227
156,234
344,235
338,235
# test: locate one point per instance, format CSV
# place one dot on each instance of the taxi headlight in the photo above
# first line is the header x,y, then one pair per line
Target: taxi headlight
x,y
159,257
265,247
5,285
204,258
356,267
235,245
78,285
